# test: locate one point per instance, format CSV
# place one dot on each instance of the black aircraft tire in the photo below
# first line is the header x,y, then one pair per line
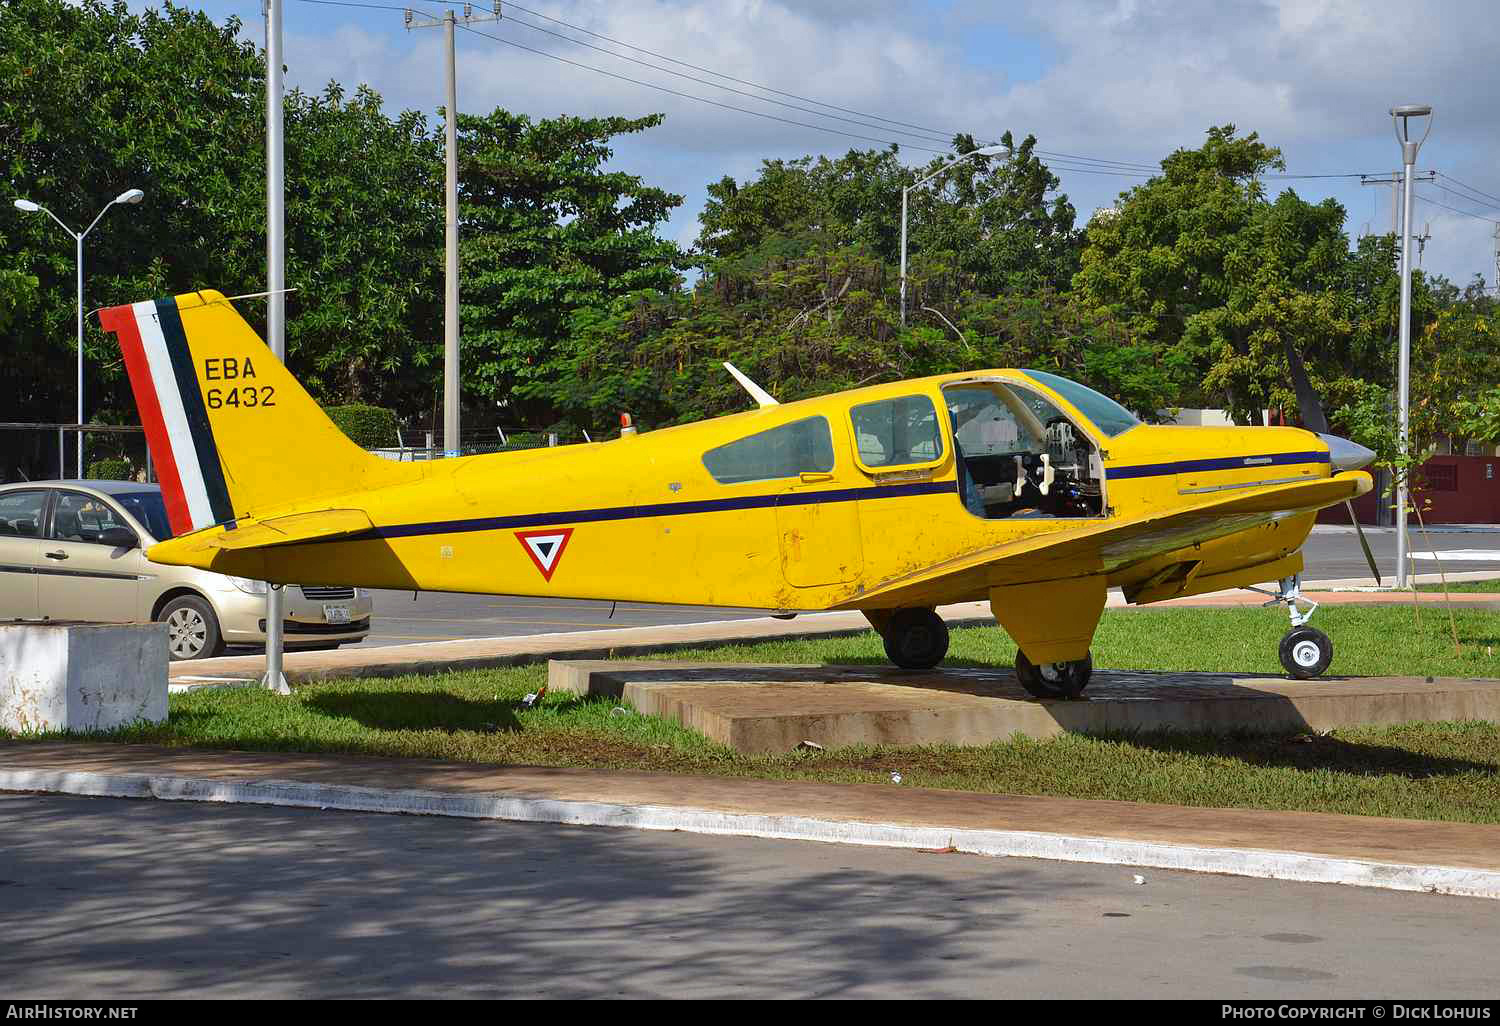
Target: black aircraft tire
x,y
1305,652
1054,680
916,639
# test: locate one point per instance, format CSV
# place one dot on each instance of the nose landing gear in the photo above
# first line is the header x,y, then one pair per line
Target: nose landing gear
x,y
1305,651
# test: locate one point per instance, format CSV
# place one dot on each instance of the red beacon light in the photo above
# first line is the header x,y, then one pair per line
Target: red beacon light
x,y
627,426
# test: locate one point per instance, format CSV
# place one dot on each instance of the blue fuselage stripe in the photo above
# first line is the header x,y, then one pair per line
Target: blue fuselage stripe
x,y
1279,459
662,509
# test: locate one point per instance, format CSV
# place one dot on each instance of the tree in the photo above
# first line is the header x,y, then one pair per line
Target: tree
x,y
364,249
95,100
1226,288
548,232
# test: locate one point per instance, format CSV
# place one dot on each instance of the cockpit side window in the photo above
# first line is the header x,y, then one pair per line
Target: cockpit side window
x,y
897,432
803,446
984,424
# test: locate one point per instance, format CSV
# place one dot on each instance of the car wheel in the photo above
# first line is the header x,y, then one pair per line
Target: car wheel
x,y
192,628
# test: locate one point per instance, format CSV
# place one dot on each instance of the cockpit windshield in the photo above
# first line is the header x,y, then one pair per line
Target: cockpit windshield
x,y
1105,414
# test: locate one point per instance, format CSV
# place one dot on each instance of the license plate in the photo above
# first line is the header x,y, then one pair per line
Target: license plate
x,y
336,614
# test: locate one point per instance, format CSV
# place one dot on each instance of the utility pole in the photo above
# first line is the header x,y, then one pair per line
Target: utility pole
x,y
1395,181
274,679
1422,241
1401,121
450,288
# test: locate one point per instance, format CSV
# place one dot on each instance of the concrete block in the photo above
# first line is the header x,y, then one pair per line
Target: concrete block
x,y
83,677
760,709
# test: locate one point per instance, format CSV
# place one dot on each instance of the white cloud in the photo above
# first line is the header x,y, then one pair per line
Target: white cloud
x,y
1122,79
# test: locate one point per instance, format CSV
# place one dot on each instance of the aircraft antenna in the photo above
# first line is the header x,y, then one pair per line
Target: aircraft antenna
x,y
760,395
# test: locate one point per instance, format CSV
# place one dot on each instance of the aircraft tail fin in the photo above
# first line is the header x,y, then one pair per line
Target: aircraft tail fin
x,y
232,433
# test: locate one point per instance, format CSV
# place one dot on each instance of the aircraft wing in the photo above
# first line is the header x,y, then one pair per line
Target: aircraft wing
x,y
1110,544
293,529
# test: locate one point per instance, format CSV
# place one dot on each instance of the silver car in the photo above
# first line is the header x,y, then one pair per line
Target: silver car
x,y
74,550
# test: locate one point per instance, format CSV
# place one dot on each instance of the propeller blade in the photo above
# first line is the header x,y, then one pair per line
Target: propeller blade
x,y
1309,408
1364,544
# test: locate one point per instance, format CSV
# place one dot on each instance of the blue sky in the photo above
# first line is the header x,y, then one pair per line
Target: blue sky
x,y
1110,80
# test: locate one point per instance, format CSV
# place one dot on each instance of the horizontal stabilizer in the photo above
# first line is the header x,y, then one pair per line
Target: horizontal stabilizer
x,y
294,529
298,527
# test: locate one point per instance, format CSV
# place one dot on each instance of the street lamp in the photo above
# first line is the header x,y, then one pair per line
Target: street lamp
x,y
1401,122
26,206
983,151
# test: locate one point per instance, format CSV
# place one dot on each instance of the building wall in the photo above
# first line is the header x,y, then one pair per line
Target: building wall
x,y
1459,490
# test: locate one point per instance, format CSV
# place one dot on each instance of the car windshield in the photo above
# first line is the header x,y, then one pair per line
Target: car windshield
x,y
1106,414
148,508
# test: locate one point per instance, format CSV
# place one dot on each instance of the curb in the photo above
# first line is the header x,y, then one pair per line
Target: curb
x,y
586,645
1273,865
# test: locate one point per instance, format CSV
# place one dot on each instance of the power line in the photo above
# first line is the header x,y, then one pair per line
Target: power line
x,y
1101,161
371,7
925,137
1341,174
1467,213
1461,191
688,96
731,78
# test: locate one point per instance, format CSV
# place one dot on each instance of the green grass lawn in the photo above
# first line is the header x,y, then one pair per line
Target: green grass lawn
x,y
1422,771
1490,586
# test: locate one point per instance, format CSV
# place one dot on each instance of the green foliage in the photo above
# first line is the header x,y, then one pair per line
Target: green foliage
x,y
548,232
364,244
371,427
111,470
94,100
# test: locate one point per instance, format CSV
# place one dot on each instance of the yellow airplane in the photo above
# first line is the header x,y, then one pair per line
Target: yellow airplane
x,y
1013,486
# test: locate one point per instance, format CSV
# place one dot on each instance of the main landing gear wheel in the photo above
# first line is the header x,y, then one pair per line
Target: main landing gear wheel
x,y
1305,652
916,639
1054,680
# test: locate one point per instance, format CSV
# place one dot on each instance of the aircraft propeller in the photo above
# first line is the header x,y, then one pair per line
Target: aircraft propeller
x,y
1310,409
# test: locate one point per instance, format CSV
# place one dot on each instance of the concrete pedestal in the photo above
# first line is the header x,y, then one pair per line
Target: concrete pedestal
x,y
763,709
69,676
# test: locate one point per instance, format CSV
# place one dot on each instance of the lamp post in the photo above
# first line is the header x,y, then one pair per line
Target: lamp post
x,y
983,151
1401,122
129,196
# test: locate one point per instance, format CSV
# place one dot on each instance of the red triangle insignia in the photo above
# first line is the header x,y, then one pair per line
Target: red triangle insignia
x,y
545,547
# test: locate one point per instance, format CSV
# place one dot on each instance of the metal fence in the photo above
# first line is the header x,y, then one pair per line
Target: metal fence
x,y
42,452
420,444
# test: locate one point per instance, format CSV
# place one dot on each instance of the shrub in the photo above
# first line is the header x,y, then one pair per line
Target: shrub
x,y
111,470
369,427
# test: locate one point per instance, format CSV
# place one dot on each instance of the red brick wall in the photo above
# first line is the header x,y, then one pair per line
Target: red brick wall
x,y
1473,499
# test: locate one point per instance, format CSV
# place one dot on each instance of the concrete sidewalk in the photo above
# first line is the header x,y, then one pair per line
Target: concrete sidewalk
x,y
476,653
1451,858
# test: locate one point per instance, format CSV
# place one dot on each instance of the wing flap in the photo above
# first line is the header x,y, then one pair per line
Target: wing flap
x,y
1109,545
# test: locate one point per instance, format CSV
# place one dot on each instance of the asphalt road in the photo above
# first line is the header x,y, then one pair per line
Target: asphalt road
x,y
1331,553
432,616
114,899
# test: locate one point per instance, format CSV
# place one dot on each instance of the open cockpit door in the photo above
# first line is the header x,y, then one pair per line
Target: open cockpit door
x,y
1019,456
